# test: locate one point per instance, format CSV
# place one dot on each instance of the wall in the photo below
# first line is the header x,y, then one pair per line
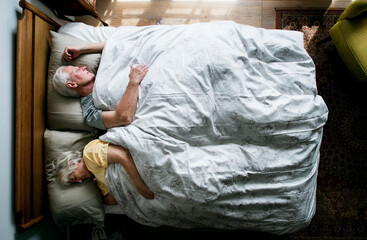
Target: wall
x,y
8,17
9,13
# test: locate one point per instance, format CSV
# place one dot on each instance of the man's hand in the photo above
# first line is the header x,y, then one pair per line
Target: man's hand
x,y
138,73
70,53
125,111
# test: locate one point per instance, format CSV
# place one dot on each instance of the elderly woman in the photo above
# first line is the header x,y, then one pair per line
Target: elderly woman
x,y
72,167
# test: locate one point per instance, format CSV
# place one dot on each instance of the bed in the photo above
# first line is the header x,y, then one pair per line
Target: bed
x,y
226,133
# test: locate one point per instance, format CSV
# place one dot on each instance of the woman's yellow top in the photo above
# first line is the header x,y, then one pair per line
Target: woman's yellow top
x,y
95,158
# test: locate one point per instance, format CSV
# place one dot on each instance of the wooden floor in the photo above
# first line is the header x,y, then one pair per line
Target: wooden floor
x,y
258,13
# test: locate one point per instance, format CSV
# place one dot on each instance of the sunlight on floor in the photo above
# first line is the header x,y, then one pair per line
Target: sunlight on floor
x,y
179,10
224,1
257,13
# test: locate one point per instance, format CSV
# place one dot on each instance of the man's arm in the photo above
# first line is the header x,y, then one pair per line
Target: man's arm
x,y
75,51
126,108
118,154
92,116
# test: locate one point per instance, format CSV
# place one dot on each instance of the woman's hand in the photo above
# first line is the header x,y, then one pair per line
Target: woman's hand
x,y
138,73
118,154
109,199
70,53
145,192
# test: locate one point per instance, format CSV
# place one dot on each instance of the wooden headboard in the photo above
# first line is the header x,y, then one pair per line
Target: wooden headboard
x,y
32,57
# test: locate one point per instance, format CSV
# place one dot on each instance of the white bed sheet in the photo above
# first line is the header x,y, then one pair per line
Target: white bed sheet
x,y
227,130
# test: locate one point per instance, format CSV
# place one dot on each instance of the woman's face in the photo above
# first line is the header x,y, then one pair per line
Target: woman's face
x,y
80,174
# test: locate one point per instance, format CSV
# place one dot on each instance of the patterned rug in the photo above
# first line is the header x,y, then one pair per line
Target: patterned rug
x,y
341,197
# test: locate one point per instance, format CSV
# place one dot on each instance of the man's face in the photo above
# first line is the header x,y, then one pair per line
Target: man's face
x,y
79,75
81,173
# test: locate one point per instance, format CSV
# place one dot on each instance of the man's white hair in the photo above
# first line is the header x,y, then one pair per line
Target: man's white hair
x,y
66,164
59,82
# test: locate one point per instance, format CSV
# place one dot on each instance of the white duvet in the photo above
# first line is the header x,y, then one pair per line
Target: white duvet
x,y
227,129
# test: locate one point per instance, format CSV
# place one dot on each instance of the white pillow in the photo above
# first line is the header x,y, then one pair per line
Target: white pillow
x,y
64,113
73,204
86,32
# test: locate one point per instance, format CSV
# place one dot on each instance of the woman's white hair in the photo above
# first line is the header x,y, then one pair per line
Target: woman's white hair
x,y
59,82
66,164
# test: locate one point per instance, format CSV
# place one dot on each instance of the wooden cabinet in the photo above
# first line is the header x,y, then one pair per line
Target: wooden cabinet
x,y
64,8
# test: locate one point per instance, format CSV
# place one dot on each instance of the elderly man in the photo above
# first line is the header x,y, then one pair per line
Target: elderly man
x,y
73,81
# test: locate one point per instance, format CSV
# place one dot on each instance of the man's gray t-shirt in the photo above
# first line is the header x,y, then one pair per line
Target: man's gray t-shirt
x,y
91,115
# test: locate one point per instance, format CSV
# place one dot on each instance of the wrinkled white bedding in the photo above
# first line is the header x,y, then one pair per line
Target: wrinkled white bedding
x,y
227,130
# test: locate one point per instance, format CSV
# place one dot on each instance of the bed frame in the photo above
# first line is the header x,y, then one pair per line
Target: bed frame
x,y
33,47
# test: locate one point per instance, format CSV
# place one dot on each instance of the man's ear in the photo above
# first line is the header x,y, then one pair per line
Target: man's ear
x,y
71,84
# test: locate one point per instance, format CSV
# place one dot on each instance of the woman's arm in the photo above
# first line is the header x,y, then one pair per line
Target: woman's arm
x,y
118,154
125,111
109,199
75,51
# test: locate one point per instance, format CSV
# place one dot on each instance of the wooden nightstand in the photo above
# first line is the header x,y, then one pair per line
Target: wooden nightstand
x,y
64,8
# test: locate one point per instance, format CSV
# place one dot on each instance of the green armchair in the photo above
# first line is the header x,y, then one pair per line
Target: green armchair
x,y
349,36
